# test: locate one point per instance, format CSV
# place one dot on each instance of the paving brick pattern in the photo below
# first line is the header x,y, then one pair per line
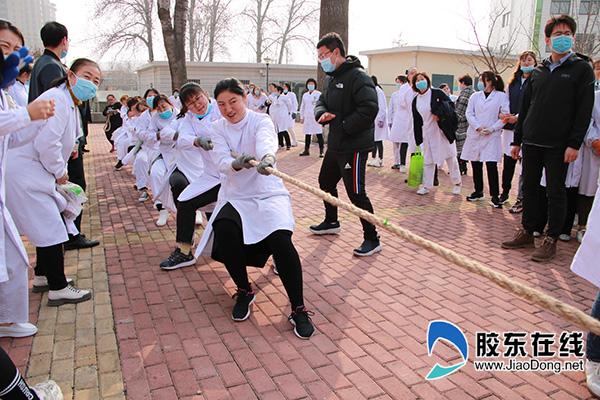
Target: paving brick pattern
x,y
175,338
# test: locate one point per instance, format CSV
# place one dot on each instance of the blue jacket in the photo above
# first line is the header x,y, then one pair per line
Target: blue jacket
x,y
515,96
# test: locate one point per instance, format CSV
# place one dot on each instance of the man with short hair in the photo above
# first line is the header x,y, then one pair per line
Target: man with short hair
x,y
349,105
554,118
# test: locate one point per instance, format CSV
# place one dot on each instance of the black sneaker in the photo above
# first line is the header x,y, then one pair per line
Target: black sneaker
x,y
504,198
321,155
177,260
495,202
367,248
118,165
475,196
300,319
396,166
304,153
241,309
325,228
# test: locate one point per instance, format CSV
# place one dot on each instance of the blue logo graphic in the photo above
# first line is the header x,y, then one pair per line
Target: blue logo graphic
x,y
444,330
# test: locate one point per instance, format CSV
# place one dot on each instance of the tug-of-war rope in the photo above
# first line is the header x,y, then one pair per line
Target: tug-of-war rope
x,y
536,296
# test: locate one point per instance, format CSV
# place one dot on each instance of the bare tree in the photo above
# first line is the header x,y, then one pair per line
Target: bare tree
x,y
399,41
588,28
135,25
333,18
300,13
261,21
209,28
174,30
192,27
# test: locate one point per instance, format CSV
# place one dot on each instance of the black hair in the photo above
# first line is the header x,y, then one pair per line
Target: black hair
x,y
276,85
402,78
466,80
175,90
110,95
518,73
309,80
188,90
75,66
333,41
132,102
232,85
443,85
374,78
414,80
156,92
53,33
8,25
26,69
289,87
158,99
559,20
497,82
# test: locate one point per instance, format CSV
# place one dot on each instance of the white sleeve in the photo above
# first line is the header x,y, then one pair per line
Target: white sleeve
x,y
25,135
382,113
504,109
470,113
266,138
167,134
49,146
13,120
391,108
221,154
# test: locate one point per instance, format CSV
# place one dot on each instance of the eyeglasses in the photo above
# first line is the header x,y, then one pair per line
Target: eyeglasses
x,y
322,56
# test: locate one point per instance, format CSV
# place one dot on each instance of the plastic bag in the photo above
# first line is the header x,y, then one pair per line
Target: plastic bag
x,y
415,170
75,197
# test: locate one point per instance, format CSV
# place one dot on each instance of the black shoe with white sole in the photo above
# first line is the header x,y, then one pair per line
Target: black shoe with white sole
x,y
504,198
326,228
178,260
475,196
495,202
243,300
300,319
367,248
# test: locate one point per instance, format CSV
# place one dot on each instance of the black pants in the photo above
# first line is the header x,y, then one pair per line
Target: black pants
x,y
50,262
283,250
572,195
109,137
178,183
492,174
186,213
508,172
351,169
307,139
403,151
379,149
12,384
284,135
77,176
584,207
535,159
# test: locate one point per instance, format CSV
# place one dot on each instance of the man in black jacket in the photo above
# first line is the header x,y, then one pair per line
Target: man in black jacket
x,y
554,118
349,105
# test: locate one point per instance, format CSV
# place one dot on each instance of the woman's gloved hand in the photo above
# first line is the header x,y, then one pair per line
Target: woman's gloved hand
x,y
241,161
266,162
12,65
204,142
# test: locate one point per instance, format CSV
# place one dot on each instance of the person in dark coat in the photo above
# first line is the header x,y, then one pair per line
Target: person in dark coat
x,y
113,118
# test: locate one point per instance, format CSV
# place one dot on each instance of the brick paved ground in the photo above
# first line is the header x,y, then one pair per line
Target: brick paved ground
x,y
170,335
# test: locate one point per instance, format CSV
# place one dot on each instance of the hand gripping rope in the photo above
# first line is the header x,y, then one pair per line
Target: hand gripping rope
x,y
536,296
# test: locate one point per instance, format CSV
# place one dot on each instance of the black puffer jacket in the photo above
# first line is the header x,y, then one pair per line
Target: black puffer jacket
x,y
350,95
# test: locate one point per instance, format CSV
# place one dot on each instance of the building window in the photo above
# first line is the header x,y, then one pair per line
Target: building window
x,y
589,7
560,7
505,19
438,79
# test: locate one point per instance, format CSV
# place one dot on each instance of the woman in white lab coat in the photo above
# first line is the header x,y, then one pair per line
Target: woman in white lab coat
x,y
35,170
124,137
307,115
164,114
145,150
287,92
253,216
257,101
195,180
19,91
438,148
400,117
484,135
279,110
381,127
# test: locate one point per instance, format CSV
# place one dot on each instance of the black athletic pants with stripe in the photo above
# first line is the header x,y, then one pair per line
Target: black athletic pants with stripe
x,y
12,384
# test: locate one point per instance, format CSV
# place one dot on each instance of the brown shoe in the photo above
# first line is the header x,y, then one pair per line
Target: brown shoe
x,y
546,251
522,240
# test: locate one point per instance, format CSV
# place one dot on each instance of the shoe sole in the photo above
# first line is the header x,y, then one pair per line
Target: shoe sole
x,y
475,200
495,205
17,335
44,289
331,231
370,253
296,331
60,302
523,246
247,314
515,211
541,260
69,248
180,265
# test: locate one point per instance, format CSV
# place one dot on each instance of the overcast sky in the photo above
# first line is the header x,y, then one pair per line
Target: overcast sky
x,y
374,24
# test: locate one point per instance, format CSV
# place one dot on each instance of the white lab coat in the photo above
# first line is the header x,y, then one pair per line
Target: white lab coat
x,y
400,115
124,137
257,104
19,93
381,133
163,162
483,112
585,262
436,147
33,169
590,161
307,112
175,101
263,202
280,110
294,105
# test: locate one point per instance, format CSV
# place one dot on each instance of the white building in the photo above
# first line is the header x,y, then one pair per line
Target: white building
x,y
29,16
520,24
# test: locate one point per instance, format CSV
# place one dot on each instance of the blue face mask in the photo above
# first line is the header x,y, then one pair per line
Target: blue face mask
x,y
285,91
311,86
208,110
421,85
562,44
84,89
166,114
528,69
327,66
63,54
150,101
480,86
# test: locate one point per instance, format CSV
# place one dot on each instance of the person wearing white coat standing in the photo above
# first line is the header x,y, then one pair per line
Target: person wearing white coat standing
x,y
195,181
484,135
307,115
381,127
253,216
400,118
147,149
287,92
439,147
280,110
19,91
35,170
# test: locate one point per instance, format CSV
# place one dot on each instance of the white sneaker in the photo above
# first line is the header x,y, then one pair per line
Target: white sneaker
x,y
422,191
68,295
580,234
564,237
143,197
456,189
48,390
40,284
537,234
17,330
372,162
378,163
402,169
199,218
592,375
163,217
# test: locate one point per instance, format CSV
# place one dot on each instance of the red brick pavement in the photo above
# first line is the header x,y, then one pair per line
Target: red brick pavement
x,y
176,338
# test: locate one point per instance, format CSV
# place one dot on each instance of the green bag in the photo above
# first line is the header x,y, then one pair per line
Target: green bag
x,y
415,170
